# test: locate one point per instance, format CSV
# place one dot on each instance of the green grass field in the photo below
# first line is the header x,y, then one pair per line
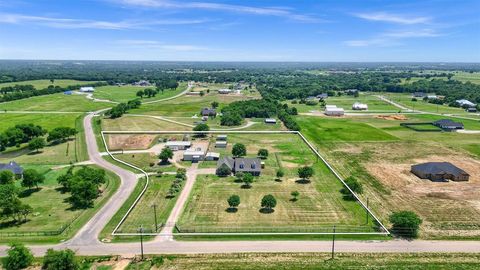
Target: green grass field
x,y
144,161
47,121
319,207
51,211
143,213
55,102
128,92
41,84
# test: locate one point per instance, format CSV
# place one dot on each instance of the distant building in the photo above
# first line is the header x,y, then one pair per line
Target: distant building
x,y
333,110
322,96
224,91
439,171
471,110
208,112
465,103
222,137
270,120
447,124
244,165
193,93
13,167
418,94
142,83
351,91
87,89
359,106
178,145
432,97
68,92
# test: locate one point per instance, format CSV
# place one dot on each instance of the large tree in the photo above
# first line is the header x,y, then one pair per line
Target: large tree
x,y
6,177
247,179
60,260
233,201
262,153
166,154
61,134
354,185
405,223
32,178
36,144
268,202
201,128
18,257
239,150
305,172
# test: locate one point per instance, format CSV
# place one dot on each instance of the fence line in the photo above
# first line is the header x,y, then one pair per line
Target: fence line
x,y
385,230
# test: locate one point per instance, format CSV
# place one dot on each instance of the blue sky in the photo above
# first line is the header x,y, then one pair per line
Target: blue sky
x,y
327,30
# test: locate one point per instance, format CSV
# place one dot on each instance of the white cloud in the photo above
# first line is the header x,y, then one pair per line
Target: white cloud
x,y
393,38
393,18
266,11
11,18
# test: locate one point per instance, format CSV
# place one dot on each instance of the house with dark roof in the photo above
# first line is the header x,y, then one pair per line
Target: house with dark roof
x,y
244,165
13,167
447,124
439,172
322,96
208,112
418,94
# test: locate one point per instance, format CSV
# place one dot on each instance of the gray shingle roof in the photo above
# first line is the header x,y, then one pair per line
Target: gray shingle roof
x,y
444,123
248,165
438,168
228,161
11,166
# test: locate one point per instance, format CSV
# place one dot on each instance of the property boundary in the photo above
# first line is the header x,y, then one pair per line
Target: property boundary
x,y
384,231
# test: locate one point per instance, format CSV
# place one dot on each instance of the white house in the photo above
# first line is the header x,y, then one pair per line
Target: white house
x,y
194,155
87,89
333,110
270,120
224,91
178,145
359,106
465,103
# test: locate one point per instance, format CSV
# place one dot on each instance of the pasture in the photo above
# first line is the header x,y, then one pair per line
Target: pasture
x,y
41,84
128,92
383,167
319,207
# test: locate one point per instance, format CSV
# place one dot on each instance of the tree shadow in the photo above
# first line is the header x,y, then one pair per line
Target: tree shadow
x,y
164,163
293,199
265,210
11,223
238,181
231,210
278,180
34,153
245,186
28,192
61,190
303,181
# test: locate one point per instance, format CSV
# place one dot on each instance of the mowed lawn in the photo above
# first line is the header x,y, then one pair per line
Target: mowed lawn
x,y
187,106
51,211
320,204
420,105
129,92
55,102
41,84
143,214
346,102
326,129
63,153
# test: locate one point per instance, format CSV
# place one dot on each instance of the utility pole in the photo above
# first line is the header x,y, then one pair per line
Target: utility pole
x,y
141,240
155,215
333,243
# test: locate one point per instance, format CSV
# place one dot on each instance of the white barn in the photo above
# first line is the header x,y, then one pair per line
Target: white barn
x,y
87,89
359,106
224,91
178,145
333,110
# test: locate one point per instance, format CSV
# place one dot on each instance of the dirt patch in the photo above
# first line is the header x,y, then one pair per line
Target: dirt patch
x,y
399,117
130,141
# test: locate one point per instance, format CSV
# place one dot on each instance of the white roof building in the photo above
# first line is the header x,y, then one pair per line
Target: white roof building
x,y
87,89
333,110
224,91
178,145
270,120
221,144
222,137
212,156
464,102
194,154
359,106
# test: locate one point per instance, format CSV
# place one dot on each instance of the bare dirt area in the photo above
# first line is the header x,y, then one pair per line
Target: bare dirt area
x,y
130,141
447,208
399,117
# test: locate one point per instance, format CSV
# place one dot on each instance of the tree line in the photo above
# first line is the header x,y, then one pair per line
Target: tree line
x,y
123,108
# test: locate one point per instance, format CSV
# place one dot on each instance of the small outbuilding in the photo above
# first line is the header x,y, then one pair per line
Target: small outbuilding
x,y
194,155
270,121
359,106
178,145
222,137
224,91
13,167
333,110
210,156
449,125
221,144
471,110
87,89
439,172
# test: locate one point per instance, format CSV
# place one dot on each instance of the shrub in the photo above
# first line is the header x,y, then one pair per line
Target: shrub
x,y
18,257
405,223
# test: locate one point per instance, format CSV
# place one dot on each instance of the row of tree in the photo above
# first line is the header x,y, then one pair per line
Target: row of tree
x,y
123,108
21,257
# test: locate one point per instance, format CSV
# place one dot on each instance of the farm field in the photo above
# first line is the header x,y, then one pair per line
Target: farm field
x,y
55,102
139,123
128,92
188,106
143,213
47,121
384,169
41,84
51,212
319,207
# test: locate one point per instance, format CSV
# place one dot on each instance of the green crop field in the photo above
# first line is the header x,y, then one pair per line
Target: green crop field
x,y
41,84
51,211
128,92
55,102
143,213
319,207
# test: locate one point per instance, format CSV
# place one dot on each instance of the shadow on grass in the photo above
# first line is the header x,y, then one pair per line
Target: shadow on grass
x,y
162,163
246,186
34,153
28,192
278,180
11,223
238,181
266,210
293,199
303,181
231,210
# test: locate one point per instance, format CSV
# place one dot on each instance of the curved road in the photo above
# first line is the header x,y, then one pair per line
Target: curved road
x,y
86,242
